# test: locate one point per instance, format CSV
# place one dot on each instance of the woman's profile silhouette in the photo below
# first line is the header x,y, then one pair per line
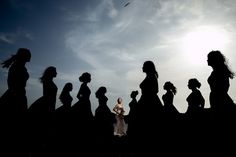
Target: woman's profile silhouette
x,y
83,106
13,106
103,122
149,102
195,100
168,98
47,102
65,98
222,106
132,122
218,81
14,99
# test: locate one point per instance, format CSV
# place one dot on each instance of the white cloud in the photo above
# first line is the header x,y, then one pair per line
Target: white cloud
x,y
7,38
13,37
146,30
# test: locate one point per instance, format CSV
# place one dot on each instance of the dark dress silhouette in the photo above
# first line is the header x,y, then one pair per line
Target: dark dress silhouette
x,y
41,113
65,98
219,84
150,109
168,97
13,106
222,106
83,106
133,123
47,102
103,124
82,118
62,130
195,119
149,104
171,121
14,99
195,100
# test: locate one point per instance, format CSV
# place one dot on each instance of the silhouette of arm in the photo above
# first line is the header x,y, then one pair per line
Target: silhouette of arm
x,y
84,92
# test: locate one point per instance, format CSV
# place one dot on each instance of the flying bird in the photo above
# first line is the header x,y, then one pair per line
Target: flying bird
x,y
126,4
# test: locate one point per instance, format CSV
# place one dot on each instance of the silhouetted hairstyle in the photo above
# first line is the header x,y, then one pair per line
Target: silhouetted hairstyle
x,y
194,83
22,54
66,89
170,86
219,61
48,73
101,91
84,77
149,67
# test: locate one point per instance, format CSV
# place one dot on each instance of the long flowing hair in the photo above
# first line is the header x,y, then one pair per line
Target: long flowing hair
x,y
220,62
21,54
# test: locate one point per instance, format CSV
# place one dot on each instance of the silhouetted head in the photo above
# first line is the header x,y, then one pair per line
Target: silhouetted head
x,y
193,83
49,74
170,86
218,61
215,58
119,100
134,94
23,55
149,68
85,77
68,87
101,91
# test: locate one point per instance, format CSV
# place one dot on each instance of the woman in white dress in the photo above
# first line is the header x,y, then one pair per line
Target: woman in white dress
x,y
120,123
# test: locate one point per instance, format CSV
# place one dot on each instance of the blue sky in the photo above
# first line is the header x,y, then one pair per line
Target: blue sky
x,y
111,42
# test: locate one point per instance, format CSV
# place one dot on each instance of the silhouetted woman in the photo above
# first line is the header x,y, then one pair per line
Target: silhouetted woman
x,y
65,98
150,105
14,99
150,108
223,107
195,125
62,122
83,119
119,129
132,123
103,114
218,81
63,113
195,100
171,118
168,97
104,123
13,106
46,103
83,106
41,112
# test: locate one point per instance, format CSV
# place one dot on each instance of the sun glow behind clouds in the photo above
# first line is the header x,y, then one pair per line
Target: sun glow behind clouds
x,y
197,43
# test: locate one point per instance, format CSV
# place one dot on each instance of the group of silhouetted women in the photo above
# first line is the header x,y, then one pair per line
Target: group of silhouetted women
x,y
154,126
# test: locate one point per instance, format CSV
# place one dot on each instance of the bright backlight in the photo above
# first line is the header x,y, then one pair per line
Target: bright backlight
x,y
198,42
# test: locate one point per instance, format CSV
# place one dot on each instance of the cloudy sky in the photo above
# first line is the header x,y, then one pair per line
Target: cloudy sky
x,y
111,42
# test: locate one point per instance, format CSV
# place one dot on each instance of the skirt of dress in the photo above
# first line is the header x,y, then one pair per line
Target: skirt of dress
x,y
120,127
